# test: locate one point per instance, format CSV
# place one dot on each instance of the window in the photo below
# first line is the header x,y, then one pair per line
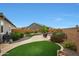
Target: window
x,y
1,26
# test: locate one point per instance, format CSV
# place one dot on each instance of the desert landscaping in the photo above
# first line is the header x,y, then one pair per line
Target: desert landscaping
x,y
39,29
28,35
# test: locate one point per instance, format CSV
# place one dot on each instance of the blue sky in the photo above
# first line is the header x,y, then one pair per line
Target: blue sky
x,y
53,15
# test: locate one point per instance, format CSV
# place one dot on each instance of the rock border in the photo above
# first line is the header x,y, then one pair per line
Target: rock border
x,y
61,51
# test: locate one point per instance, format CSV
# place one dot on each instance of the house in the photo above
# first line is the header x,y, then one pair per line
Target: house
x,y
5,24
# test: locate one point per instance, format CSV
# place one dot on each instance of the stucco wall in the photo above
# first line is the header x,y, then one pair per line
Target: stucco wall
x,y
7,26
73,35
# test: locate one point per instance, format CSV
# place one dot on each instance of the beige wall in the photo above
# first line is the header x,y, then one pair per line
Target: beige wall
x,y
73,35
7,26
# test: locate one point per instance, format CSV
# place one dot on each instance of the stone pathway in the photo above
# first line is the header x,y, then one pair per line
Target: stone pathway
x,y
7,47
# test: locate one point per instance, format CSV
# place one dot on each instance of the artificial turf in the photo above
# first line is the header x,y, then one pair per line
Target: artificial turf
x,y
40,48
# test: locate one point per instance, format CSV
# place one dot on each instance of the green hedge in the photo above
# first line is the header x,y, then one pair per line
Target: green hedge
x,y
16,35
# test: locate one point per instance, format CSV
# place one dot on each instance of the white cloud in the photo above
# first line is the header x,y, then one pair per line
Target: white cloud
x,y
71,15
58,19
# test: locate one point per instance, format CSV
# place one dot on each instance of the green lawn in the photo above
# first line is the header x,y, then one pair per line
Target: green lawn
x,y
40,48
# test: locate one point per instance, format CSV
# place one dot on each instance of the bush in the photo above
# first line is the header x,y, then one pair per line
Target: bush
x,y
21,35
16,35
28,32
70,45
58,37
35,32
28,35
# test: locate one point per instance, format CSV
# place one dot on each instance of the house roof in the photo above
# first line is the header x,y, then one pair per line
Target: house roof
x,y
1,14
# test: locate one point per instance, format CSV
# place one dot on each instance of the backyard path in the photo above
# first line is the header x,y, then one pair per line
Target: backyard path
x,y
6,47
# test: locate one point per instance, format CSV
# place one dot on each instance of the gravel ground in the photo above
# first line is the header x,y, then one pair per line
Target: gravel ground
x,y
70,53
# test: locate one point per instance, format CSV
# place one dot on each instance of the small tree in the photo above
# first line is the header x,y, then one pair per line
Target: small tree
x,y
58,37
44,29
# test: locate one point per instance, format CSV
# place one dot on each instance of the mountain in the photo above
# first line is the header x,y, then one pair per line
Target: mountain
x,y
35,26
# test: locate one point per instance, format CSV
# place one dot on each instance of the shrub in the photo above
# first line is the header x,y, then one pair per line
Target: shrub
x,y
58,37
29,35
16,35
27,32
70,45
21,35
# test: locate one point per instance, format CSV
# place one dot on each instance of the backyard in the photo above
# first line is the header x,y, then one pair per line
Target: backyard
x,y
37,29
37,45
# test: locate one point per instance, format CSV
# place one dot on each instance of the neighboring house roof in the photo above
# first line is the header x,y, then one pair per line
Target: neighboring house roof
x,y
1,14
